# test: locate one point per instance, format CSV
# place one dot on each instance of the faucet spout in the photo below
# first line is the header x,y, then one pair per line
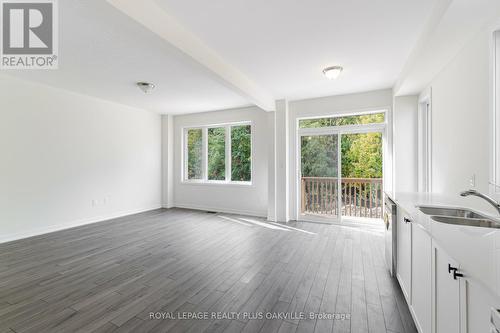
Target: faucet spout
x,y
488,199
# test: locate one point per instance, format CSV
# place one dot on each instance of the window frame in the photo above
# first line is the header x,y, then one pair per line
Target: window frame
x,y
204,180
494,186
344,115
424,142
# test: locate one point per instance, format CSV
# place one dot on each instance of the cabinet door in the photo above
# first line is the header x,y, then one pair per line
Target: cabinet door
x,y
446,292
421,299
477,304
404,253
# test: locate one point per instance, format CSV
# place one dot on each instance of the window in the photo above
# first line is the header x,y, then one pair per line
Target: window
x,y
221,153
424,144
217,153
241,153
371,118
194,152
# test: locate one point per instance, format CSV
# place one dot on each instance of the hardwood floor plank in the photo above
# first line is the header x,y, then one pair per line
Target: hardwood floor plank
x,y
111,276
287,327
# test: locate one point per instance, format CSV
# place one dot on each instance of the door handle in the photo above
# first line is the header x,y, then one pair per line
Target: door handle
x,y
407,220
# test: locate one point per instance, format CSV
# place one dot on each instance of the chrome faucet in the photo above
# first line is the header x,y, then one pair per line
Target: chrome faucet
x,y
490,200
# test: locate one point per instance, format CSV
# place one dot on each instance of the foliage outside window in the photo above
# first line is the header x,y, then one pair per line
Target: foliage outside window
x,y
361,155
194,152
217,153
226,150
372,118
241,153
319,156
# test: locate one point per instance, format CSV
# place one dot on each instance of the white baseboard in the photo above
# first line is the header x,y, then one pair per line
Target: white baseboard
x,y
73,224
168,205
222,210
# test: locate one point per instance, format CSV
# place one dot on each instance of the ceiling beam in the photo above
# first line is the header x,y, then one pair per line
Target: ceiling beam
x,y
156,19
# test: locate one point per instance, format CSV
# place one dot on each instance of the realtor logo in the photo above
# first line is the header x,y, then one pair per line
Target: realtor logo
x,y
29,38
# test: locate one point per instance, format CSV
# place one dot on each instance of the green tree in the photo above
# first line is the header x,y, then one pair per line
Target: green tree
x,y
361,153
194,145
217,153
363,156
319,156
241,147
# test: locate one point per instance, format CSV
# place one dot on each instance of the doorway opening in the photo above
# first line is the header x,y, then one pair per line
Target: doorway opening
x,y
341,168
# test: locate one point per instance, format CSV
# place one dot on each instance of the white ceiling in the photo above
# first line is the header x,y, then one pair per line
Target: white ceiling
x,y
280,45
283,45
103,53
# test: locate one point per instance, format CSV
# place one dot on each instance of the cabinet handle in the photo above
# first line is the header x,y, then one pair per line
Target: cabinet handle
x,y
407,220
455,275
455,272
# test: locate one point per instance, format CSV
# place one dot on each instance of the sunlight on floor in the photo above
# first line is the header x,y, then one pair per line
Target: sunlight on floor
x,y
295,229
375,229
234,220
248,222
263,224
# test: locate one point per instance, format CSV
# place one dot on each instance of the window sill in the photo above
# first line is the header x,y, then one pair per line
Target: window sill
x,y
217,183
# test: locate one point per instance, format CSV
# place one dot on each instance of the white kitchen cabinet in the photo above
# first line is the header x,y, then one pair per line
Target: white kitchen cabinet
x,y
404,255
479,304
422,278
447,301
448,274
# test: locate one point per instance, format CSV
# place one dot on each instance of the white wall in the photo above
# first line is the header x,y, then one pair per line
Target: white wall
x,y
405,119
271,167
67,159
167,157
281,162
460,119
243,199
334,105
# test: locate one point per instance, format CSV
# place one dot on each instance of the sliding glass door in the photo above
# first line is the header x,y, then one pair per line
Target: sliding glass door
x,y
340,168
319,177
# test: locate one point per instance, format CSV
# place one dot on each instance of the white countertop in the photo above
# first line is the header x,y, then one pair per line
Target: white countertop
x,y
409,201
476,249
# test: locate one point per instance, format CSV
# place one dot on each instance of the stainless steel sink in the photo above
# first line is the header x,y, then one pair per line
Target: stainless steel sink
x,y
471,222
453,212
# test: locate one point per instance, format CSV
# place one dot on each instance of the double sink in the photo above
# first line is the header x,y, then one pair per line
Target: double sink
x,y
459,216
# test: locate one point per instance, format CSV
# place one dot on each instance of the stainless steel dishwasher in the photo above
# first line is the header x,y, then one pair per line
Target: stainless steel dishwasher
x,y
390,221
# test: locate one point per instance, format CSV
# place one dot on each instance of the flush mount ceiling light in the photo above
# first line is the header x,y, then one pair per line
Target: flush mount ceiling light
x,y
146,87
332,72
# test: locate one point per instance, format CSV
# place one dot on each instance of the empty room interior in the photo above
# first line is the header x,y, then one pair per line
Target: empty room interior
x,y
250,166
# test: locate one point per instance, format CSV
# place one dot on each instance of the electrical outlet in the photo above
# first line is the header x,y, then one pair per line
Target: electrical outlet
x,y
472,180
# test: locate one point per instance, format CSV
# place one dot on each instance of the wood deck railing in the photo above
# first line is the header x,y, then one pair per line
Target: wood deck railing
x,y
361,197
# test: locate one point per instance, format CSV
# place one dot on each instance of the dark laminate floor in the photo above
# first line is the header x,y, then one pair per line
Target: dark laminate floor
x,y
109,277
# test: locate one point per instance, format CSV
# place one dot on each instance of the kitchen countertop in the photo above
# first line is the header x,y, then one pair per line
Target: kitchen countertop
x,y
476,249
409,201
